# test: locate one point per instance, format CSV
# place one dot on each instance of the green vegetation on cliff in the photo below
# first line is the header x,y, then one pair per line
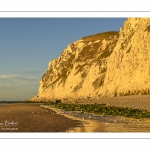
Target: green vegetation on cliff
x,y
101,36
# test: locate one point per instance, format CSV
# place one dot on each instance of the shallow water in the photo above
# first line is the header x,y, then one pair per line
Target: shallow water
x,y
97,123
97,126
112,124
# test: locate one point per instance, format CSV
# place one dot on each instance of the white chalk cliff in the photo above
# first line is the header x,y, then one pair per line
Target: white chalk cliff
x,y
105,64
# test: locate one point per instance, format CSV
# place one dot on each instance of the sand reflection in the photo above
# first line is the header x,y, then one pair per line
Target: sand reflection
x,y
130,125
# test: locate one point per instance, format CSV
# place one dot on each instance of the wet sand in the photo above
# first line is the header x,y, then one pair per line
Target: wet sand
x,y
97,123
33,118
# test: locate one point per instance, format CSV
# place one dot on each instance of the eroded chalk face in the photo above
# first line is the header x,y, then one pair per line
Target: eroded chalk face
x,y
79,71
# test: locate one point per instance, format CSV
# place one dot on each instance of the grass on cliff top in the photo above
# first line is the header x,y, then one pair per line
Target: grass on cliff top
x,y
102,109
100,36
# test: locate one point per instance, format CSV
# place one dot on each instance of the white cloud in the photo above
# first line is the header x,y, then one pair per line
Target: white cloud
x,y
31,72
17,77
9,76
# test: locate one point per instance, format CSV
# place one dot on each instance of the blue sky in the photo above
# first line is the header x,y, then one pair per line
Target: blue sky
x,y
28,44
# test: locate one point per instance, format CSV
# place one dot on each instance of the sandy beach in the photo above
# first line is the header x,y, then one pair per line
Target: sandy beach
x,y
96,123
32,118
133,101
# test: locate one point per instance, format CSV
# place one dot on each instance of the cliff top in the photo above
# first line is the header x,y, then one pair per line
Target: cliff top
x,y
101,36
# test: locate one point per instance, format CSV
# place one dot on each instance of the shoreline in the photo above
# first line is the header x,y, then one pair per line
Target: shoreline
x,y
97,123
85,122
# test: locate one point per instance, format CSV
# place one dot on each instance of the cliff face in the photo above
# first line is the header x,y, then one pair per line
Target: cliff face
x,y
128,68
80,70
105,64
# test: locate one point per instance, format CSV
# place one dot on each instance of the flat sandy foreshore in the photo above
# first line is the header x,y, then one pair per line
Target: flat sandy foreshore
x,y
33,118
135,101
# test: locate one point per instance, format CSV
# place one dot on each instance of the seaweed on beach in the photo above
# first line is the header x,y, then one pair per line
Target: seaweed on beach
x,y
103,109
